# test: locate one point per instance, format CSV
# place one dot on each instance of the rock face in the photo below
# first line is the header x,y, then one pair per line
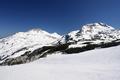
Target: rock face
x,y
28,46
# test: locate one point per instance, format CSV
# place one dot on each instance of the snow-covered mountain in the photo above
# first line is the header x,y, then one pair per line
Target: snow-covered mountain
x,y
27,46
21,42
94,33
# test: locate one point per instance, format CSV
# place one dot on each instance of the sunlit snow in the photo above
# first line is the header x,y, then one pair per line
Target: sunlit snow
x,y
98,64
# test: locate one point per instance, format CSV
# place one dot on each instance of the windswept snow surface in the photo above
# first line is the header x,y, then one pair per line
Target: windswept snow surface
x,y
98,64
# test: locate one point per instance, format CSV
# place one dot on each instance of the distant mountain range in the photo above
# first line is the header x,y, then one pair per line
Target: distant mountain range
x,y
24,47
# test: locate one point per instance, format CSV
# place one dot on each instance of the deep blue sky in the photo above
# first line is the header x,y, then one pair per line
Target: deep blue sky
x,y
56,15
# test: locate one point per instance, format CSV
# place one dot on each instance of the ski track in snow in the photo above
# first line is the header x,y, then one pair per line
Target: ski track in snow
x,y
98,64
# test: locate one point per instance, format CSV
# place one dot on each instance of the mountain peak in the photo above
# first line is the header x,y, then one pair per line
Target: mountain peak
x,y
96,27
100,31
36,30
99,24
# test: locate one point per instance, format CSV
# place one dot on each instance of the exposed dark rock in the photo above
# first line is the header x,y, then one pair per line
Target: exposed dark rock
x,y
91,47
44,51
25,48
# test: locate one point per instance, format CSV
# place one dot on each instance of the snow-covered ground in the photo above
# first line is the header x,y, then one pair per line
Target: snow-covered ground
x,y
98,64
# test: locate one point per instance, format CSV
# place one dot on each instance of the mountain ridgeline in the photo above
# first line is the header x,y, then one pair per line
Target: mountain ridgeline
x,y
24,47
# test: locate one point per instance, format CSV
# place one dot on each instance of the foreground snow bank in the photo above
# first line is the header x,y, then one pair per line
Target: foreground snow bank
x,y
98,64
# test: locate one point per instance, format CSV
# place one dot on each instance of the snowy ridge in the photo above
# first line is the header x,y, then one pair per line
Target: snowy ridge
x,y
94,32
21,42
27,46
90,30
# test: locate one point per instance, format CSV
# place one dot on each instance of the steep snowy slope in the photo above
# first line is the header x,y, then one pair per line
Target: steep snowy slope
x,y
98,64
22,42
94,33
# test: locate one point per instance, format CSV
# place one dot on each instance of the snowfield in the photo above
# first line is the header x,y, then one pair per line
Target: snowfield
x,y
98,64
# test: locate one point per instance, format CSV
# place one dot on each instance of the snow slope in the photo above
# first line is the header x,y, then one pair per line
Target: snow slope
x,y
98,64
21,42
95,31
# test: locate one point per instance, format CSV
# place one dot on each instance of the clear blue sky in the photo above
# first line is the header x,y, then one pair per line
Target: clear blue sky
x,y
56,15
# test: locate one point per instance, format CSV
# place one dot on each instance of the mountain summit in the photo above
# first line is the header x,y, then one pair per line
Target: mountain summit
x,y
96,31
27,46
22,42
